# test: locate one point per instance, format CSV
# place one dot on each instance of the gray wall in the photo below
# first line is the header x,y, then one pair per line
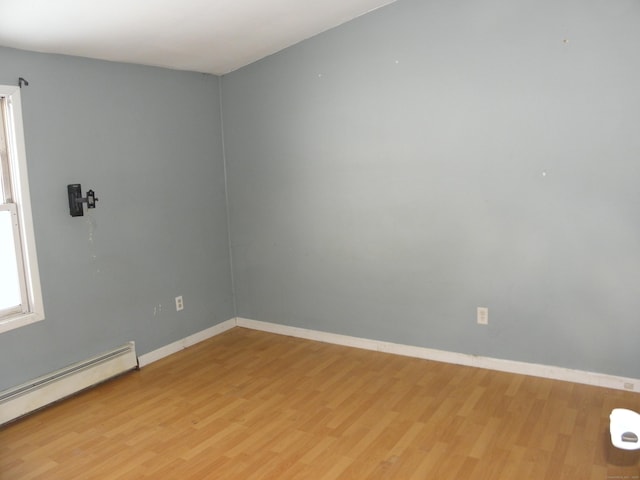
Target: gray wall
x,y
148,141
392,174
385,178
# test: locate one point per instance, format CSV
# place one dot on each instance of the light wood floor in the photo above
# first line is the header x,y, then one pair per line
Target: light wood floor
x,y
249,405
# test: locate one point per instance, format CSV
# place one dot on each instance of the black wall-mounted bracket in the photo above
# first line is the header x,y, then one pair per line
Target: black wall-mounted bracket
x,y
74,191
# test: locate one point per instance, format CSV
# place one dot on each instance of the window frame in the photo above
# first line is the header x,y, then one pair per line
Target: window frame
x,y
18,203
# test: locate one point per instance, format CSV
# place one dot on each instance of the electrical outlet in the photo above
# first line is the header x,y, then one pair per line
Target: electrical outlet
x,y
482,315
179,303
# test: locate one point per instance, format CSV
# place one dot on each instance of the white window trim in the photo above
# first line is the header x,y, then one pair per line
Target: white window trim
x,y
34,310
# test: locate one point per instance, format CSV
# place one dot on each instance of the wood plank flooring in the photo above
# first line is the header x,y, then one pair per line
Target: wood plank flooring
x,y
253,405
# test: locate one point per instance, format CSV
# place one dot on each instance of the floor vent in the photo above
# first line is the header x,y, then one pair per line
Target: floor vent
x,y
42,391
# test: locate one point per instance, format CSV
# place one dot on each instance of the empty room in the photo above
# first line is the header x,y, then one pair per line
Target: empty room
x,y
319,240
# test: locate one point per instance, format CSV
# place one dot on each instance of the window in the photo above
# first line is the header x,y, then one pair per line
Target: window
x,y
20,296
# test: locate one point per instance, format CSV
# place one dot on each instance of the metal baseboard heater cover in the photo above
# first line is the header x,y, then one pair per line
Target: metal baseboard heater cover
x,y
31,396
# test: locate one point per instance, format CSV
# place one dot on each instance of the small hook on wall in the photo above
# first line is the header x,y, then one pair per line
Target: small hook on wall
x,y
74,192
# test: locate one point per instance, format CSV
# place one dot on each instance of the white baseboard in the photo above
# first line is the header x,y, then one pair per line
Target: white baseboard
x,y
186,342
61,389
523,368
42,391
511,366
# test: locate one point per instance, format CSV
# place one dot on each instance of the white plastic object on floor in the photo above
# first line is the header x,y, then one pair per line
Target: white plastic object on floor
x,y
625,429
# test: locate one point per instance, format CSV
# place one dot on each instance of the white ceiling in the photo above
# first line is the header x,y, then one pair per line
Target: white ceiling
x,y
212,36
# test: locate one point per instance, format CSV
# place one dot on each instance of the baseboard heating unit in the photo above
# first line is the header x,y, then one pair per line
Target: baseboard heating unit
x,y
26,398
